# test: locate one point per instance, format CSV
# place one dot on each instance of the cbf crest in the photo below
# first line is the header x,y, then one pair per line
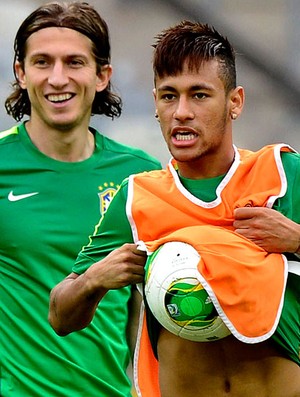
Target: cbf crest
x,y
106,194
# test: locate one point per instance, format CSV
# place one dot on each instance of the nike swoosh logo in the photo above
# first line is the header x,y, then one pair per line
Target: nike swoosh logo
x,y
17,197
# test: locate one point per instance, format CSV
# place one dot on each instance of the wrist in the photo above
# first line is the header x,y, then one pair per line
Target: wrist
x,y
297,252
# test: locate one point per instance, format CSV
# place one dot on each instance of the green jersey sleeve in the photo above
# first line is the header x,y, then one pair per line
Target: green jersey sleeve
x,y
289,204
287,334
112,231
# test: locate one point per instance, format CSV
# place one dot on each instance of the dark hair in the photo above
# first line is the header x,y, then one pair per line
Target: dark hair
x,y
193,42
78,16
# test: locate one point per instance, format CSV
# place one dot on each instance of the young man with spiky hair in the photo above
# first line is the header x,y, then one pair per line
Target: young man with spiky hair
x,y
230,201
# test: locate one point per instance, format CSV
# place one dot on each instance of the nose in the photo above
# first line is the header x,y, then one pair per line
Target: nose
x,y
58,76
183,110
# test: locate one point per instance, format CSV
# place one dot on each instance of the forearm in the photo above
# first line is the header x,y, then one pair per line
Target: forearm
x,y
73,303
268,229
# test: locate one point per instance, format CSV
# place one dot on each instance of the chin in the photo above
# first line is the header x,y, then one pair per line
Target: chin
x,y
184,155
63,126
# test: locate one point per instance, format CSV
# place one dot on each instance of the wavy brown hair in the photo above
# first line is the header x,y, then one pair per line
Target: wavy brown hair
x,y
78,16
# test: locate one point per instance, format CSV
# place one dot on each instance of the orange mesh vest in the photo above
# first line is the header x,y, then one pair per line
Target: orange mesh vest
x,y
238,275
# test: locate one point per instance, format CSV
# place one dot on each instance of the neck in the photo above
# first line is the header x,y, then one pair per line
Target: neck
x,y
68,146
206,167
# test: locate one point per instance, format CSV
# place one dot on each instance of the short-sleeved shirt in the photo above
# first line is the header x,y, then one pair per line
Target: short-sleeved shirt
x,y
48,209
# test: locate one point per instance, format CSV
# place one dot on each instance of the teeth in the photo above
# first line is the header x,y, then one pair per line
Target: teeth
x,y
59,98
184,136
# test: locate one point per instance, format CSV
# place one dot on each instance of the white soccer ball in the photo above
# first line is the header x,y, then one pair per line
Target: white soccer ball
x,y
175,296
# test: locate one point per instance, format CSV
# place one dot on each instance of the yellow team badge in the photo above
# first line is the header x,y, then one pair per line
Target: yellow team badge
x,y
107,192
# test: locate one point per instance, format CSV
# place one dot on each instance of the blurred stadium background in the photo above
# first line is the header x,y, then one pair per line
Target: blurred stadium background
x,y
264,33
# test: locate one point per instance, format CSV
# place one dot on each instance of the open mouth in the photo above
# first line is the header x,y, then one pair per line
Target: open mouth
x,y
58,98
184,136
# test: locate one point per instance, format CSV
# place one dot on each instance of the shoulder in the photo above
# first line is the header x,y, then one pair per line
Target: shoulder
x,y
285,152
9,135
9,144
127,152
291,166
151,179
289,156
290,160
153,174
145,176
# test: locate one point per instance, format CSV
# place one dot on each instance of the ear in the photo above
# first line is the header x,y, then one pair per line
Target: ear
x,y
103,77
19,71
155,97
237,100
154,93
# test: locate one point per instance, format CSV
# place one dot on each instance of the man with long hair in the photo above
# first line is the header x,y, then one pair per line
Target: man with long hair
x,y
58,175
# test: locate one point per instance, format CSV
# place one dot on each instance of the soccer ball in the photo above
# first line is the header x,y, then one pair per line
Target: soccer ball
x,y
175,296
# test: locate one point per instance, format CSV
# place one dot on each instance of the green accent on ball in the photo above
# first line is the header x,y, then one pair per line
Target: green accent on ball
x,y
191,306
189,303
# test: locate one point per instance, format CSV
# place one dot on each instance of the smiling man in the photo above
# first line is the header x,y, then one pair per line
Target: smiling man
x,y
57,175
61,77
203,192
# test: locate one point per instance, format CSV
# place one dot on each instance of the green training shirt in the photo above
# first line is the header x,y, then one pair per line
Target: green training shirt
x,y
287,335
48,209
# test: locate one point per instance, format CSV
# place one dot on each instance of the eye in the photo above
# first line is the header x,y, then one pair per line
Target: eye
x,y
41,62
200,95
76,63
167,97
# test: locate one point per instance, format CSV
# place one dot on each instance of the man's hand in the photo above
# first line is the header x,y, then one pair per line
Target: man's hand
x,y
74,300
121,267
267,228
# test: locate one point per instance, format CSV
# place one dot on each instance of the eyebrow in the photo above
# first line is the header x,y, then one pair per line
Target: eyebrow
x,y
166,88
48,55
196,87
